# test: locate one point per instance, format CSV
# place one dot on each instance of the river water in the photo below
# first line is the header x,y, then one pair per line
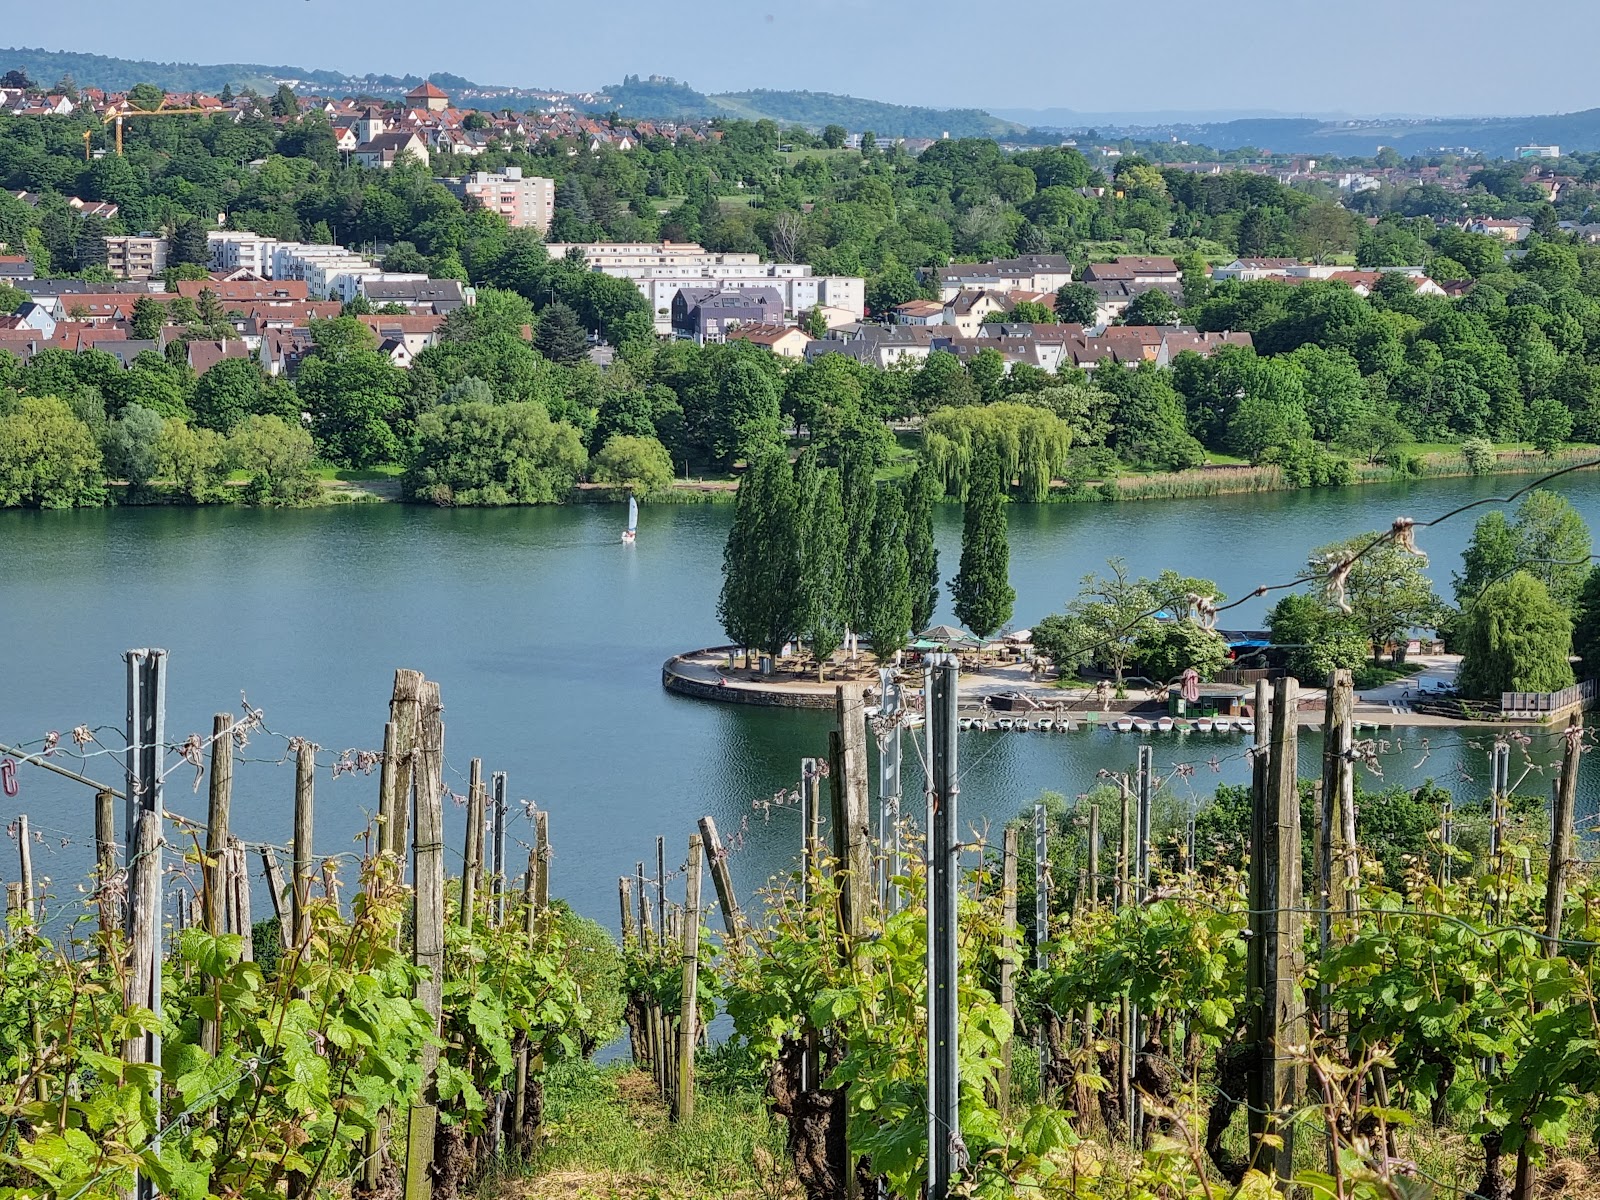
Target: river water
x,y
547,637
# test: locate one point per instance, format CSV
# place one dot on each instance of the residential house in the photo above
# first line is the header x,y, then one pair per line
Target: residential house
x,y
1507,229
919,312
411,334
202,356
436,296
283,349
1247,270
884,345
383,150
247,291
786,341
1112,296
709,314
15,267
1134,268
1028,272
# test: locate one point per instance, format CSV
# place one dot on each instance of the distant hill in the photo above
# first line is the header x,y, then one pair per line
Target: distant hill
x,y
1496,137
45,67
659,98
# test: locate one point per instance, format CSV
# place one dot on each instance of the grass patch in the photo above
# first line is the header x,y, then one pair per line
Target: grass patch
x,y
1368,676
359,475
608,1134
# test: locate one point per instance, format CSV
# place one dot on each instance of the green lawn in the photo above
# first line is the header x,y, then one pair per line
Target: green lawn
x,y
794,156
362,475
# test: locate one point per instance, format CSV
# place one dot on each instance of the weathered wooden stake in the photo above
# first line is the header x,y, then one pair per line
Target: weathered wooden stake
x,y
498,883
388,783
305,775
1277,1015
220,797
541,847
472,853
25,854
239,879
428,918
105,854
852,827
275,889
722,880
688,1021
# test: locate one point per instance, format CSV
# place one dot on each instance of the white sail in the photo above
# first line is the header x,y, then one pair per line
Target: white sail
x,y
633,514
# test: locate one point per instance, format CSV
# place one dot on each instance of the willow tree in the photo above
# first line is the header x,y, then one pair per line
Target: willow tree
x,y
1030,445
922,491
1515,638
886,620
819,557
757,606
982,588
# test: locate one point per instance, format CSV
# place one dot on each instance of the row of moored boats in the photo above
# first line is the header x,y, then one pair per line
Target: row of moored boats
x,y
1215,725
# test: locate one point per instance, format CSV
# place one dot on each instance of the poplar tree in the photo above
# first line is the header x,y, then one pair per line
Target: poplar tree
x,y
856,469
820,548
982,589
922,492
887,622
757,604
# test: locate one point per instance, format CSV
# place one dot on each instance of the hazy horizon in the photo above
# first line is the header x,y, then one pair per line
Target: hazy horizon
x,y
1421,56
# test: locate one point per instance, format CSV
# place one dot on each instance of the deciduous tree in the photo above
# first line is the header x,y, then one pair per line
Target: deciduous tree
x,y
1515,638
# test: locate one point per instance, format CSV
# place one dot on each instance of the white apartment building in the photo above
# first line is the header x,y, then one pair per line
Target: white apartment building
x,y
235,250
661,270
525,201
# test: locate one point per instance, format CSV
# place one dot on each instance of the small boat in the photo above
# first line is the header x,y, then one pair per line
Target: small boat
x,y
1006,724
633,522
1222,725
1246,725
1165,724
1123,725
964,724
1140,725
1204,725
1046,725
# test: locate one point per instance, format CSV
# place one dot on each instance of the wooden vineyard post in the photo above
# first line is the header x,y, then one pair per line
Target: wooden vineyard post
x,y
215,869
498,883
25,865
1008,951
472,852
519,1104
388,783
541,848
1041,924
722,880
105,854
661,890
428,922
1094,904
275,888
1338,864
1277,1014
943,966
304,798
852,828
238,882
689,1019
1124,1005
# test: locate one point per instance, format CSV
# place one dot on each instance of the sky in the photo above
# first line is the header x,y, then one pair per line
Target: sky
x,y
1291,56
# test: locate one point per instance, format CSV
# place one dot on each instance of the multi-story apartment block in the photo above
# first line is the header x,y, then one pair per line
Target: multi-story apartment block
x,y
525,201
661,271
136,257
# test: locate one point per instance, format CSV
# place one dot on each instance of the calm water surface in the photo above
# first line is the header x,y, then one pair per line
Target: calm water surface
x,y
547,636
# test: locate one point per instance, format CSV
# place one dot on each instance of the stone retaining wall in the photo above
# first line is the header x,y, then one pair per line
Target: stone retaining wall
x,y
775,696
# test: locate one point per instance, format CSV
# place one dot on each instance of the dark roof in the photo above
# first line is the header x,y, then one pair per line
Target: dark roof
x,y
415,291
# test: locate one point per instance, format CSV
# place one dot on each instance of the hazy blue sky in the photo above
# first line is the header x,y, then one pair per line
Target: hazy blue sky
x,y
1359,56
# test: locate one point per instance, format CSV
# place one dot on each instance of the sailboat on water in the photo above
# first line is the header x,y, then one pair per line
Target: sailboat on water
x,y
633,522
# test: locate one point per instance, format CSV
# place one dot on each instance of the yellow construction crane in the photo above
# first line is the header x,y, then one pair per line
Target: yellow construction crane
x,y
116,119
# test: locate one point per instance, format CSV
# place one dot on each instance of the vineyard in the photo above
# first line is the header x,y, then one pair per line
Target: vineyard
x,y
1094,1003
